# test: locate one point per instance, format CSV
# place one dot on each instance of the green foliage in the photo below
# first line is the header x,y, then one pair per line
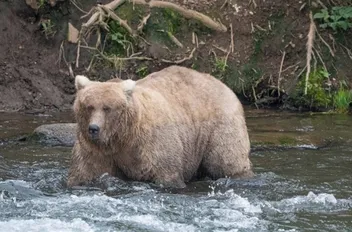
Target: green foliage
x,y
142,71
318,93
132,13
339,17
119,40
41,3
343,100
172,20
220,65
162,25
165,24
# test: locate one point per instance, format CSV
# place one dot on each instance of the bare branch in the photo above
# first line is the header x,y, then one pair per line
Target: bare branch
x,y
190,14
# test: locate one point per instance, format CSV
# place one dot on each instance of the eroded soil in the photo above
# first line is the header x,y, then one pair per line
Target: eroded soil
x,y
34,75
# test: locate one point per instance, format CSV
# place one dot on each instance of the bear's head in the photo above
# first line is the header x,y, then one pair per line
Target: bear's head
x,y
103,110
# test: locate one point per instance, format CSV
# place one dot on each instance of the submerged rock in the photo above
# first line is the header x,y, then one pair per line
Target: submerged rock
x,y
59,134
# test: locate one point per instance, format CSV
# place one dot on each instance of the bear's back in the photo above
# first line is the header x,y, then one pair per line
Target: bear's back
x,y
191,88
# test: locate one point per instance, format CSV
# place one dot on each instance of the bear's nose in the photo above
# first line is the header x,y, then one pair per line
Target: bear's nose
x,y
93,129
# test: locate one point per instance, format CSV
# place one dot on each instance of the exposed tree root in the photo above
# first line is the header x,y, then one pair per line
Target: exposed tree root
x,y
310,43
232,42
189,14
115,60
101,13
280,71
143,23
113,16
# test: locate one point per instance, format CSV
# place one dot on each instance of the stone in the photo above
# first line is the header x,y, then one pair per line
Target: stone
x,y
58,134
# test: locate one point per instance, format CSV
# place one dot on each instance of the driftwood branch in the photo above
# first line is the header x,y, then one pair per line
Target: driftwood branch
x,y
207,21
189,14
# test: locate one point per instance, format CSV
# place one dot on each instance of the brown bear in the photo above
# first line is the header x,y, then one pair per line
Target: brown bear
x,y
169,128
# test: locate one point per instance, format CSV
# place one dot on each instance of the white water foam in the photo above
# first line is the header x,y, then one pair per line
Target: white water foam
x,y
45,225
154,211
230,211
310,202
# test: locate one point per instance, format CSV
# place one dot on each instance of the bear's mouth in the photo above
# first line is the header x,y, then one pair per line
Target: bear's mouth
x,y
94,137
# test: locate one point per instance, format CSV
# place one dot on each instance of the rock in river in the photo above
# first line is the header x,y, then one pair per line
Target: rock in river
x,y
58,134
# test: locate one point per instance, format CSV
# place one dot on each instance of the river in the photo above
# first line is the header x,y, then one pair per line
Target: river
x,y
303,182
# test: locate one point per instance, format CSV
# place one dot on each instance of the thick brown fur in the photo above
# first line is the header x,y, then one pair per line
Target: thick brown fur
x,y
172,126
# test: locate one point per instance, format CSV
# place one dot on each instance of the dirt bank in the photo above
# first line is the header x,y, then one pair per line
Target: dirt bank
x,y
262,62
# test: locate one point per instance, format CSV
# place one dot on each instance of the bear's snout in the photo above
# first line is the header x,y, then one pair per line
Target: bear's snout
x,y
93,131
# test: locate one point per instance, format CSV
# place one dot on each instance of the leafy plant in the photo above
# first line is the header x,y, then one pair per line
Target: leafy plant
x,y
318,93
120,42
339,17
342,99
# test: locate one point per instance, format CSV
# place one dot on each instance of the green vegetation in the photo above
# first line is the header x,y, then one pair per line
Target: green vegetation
x,y
41,3
343,100
318,92
142,71
166,34
338,17
321,95
220,65
287,140
120,42
48,28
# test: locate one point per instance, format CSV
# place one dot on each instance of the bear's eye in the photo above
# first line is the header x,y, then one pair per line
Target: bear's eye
x,y
90,107
106,108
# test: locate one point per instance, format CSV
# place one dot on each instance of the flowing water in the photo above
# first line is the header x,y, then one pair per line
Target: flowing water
x,y
303,183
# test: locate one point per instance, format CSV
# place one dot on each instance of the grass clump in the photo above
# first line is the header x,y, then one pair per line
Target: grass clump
x,y
343,100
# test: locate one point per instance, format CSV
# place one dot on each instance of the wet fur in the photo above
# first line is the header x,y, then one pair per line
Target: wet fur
x,y
173,126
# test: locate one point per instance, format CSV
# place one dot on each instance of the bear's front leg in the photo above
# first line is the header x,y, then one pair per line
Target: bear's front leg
x,y
86,165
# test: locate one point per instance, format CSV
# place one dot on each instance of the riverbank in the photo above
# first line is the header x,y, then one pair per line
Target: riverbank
x,y
261,55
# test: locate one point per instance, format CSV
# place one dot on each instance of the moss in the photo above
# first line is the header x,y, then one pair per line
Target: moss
x,y
262,143
286,140
132,13
161,23
165,22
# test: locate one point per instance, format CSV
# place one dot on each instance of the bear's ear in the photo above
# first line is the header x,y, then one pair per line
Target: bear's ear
x,y
128,86
81,82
